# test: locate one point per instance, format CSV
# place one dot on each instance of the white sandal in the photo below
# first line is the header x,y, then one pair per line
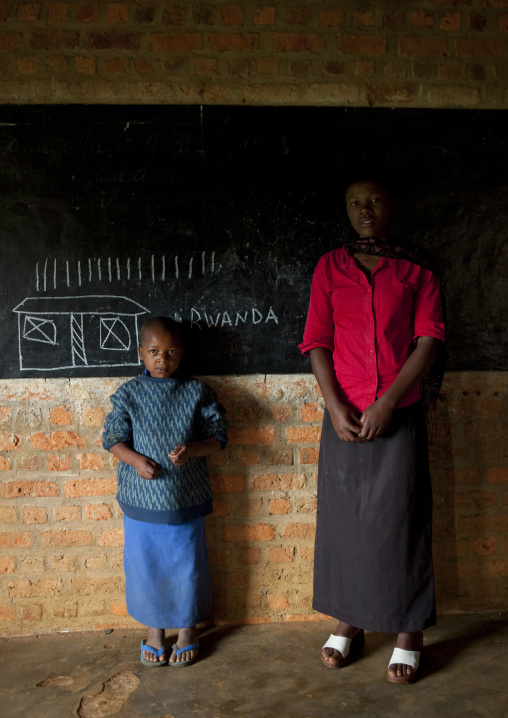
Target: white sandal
x,y
406,658
346,647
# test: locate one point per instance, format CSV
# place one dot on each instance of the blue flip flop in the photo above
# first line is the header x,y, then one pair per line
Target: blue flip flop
x,y
158,653
193,647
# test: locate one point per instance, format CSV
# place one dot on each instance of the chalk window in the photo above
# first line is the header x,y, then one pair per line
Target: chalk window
x,y
114,334
38,329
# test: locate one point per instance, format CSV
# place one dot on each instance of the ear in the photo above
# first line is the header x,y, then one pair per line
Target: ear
x,y
140,353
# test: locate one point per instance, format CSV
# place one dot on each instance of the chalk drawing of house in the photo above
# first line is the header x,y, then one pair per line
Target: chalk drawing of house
x,y
84,331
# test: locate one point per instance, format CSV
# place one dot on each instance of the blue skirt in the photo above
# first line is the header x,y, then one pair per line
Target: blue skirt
x,y
167,575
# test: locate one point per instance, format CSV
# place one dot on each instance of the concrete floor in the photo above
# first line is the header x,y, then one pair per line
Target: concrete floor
x,y
267,671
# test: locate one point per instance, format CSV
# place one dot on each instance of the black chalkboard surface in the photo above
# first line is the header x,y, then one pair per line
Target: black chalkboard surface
x,y
217,216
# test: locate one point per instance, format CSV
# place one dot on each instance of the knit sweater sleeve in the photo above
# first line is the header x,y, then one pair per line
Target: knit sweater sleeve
x,y
212,417
118,426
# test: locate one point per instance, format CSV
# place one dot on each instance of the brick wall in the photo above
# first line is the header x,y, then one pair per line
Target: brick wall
x,y
440,53
60,528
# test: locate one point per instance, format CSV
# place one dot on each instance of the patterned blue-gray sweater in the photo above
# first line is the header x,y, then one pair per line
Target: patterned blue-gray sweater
x,y
153,416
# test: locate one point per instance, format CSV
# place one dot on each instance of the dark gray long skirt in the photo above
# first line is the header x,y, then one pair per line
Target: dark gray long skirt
x,y
373,557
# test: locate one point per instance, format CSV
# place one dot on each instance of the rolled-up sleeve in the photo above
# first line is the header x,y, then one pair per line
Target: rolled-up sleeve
x,y
428,308
118,426
319,329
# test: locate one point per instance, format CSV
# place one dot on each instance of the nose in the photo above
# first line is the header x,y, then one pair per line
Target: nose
x,y
365,209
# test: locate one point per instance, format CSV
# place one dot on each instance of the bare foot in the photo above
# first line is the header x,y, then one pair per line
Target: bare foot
x,y
155,639
331,657
408,642
186,637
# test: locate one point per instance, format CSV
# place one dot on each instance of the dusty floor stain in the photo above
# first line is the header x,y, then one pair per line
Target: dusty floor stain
x,y
111,698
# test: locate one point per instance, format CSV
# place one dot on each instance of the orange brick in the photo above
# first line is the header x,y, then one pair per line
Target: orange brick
x,y
480,523
280,412
92,416
307,505
473,47
296,42
94,462
499,475
66,537
29,11
251,435
220,557
87,12
265,15
61,415
250,556
85,65
98,512
307,554
34,515
297,16
485,498
58,12
27,65
54,40
59,64
32,612
232,14
280,457
280,482
299,531
280,506
117,12
281,555
13,539
67,513
363,19
59,463
309,456
249,458
5,464
421,19
7,564
331,18
30,589
8,515
311,412
11,41
95,586
496,568
278,600
451,21
116,65
112,537
63,563
303,435
176,42
113,40
57,440
426,46
361,45
220,508
252,532
5,415
118,608
9,441
64,609
228,484
267,66
28,463
91,487
484,546
251,507
7,613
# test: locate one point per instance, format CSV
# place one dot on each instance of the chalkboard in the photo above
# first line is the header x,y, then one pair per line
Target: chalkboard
x,y
217,216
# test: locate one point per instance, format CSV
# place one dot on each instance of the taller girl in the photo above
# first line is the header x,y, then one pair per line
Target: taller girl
x,y
373,331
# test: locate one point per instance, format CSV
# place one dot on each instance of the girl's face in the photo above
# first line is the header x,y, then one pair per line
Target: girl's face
x,y
369,208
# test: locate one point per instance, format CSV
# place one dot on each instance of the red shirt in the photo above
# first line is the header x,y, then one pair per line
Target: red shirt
x,y
371,323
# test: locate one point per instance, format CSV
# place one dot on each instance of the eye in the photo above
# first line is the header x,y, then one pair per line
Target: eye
x,y
153,351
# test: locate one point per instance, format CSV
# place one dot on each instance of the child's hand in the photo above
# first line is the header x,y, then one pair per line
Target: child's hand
x,y
180,454
146,468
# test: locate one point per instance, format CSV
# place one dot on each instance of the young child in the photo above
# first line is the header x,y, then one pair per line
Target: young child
x,y
162,426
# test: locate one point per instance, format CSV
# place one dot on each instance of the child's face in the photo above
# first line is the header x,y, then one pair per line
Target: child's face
x,y
369,208
161,352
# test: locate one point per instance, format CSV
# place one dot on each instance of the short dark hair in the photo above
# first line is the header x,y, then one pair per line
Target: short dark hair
x,y
380,175
166,323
